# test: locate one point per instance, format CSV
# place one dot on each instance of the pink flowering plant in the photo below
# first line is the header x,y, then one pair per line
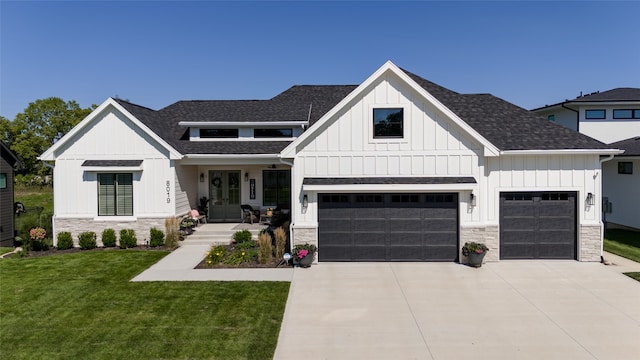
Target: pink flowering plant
x,y
474,247
301,251
37,233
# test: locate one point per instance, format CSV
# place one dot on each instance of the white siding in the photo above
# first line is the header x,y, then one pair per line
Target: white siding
x,y
432,144
623,191
579,173
112,137
609,130
186,188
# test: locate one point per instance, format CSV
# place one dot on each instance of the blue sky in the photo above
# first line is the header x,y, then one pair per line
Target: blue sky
x,y
156,53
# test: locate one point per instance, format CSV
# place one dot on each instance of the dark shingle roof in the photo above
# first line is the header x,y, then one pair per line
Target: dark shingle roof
x,y
617,94
505,125
8,155
631,146
291,105
112,163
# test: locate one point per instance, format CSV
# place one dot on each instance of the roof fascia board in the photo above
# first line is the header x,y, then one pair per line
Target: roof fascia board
x,y
390,187
563,152
489,149
605,102
231,159
242,123
49,154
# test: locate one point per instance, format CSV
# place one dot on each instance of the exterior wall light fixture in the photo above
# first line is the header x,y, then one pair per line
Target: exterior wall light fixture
x,y
305,201
472,199
591,199
246,177
201,177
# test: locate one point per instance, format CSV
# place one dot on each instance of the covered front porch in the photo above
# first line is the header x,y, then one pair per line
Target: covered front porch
x,y
218,189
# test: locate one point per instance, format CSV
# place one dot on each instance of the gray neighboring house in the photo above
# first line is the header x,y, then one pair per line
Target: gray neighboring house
x,y
8,164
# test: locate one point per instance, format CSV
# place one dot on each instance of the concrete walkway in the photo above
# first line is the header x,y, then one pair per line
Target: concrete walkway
x,y
505,310
621,264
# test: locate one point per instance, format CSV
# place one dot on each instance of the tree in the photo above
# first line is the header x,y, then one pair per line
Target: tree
x,y
41,124
6,131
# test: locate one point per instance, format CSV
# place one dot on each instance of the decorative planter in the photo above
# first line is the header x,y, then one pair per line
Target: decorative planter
x,y
475,259
306,261
269,213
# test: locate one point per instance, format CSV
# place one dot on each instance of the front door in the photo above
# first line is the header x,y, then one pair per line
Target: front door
x,y
224,192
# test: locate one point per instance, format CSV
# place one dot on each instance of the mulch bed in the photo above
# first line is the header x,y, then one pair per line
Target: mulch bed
x,y
276,263
54,251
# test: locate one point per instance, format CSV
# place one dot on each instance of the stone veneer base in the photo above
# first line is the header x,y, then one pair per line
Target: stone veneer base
x,y
79,225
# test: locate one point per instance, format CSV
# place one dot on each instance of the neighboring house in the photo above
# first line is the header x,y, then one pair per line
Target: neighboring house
x,y
612,117
608,116
8,164
621,185
394,169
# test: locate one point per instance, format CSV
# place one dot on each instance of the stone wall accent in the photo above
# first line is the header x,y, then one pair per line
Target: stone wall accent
x,y
488,235
306,235
590,243
79,225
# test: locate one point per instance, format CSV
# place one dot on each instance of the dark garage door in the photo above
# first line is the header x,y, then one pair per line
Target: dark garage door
x,y
388,227
538,225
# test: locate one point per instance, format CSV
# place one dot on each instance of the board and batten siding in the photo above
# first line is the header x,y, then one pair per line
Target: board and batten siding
x,y
623,191
112,136
6,206
579,173
186,179
432,144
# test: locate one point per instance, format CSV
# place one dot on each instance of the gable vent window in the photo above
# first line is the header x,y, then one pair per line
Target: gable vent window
x,y
388,123
595,114
626,114
625,167
273,133
218,133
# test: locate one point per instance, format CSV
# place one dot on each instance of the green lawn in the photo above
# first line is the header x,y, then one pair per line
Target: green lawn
x,y
4,250
633,275
82,306
625,243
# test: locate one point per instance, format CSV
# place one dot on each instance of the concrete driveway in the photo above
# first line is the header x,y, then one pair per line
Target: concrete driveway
x,y
506,310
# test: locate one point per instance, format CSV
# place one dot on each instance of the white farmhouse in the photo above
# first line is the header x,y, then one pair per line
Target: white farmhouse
x,y
394,169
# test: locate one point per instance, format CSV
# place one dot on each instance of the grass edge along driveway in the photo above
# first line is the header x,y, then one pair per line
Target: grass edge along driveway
x,y
83,306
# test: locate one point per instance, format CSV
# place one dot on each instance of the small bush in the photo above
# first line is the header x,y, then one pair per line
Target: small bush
x,y
87,240
242,236
281,241
247,245
128,238
172,231
241,256
216,254
157,237
65,241
109,238
265,254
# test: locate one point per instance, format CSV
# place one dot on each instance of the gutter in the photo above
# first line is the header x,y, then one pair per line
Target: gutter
x,y
577,115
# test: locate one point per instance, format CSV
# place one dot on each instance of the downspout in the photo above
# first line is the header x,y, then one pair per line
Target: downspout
x,y
53,223
577,116
604,224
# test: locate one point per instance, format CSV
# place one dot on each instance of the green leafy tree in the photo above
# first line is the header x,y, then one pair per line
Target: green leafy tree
x,y
6,131
41,124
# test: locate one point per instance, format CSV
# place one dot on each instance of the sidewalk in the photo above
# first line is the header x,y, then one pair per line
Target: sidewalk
x,y
180,264
620,264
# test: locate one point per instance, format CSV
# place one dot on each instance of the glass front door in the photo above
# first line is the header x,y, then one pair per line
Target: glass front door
x,y
224,192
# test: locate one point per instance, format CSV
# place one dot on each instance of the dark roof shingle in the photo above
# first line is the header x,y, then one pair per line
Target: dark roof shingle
x,y
630,146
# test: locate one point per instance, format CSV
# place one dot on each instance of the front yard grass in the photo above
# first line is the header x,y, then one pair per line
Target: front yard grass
x,y
624,243
83,306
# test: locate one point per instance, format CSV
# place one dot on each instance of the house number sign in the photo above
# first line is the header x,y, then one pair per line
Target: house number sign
x,y
252,189
168,189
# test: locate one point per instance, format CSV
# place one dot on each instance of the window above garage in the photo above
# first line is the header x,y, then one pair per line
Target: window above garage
x,y
388,123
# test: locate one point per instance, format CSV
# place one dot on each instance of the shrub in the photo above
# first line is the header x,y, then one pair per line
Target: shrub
x,y
265,253
241,256
87,240
281,241
242,236
128,238
65,241
37,241
109,238
247,245
172,231
157,237
216,254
